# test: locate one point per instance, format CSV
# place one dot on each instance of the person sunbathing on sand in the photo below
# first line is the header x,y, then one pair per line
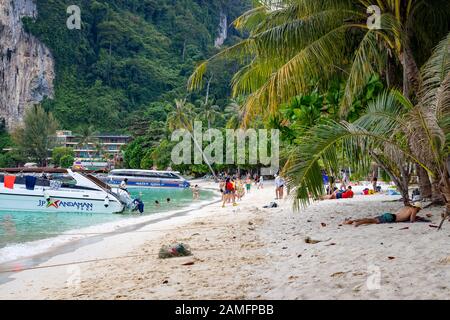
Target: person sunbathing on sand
x,y
340,195
405,214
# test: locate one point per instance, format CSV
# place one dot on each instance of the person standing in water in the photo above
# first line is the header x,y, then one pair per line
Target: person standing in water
x,y
196,192
123,185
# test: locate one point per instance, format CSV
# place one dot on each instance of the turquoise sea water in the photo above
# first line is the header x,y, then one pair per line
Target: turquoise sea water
x,y
21,227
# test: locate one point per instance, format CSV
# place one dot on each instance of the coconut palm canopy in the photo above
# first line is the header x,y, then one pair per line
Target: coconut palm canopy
x,y
299,41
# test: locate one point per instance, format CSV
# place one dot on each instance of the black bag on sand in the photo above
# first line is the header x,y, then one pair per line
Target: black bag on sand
x,y
271,205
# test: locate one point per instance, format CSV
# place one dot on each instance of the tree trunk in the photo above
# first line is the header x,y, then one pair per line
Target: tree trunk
x,y
437,196
207,90
410,73
402,182
424,183
204,156
184,50
445,191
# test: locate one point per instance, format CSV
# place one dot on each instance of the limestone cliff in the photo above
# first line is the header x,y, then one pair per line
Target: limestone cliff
x,y
223,30
26,65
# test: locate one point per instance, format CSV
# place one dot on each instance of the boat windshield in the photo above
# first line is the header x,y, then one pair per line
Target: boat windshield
x,y
48,180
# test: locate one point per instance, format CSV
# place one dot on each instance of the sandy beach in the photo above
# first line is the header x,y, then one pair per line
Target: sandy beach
x,y
248,252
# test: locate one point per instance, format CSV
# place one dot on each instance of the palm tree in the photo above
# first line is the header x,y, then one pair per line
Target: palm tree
x,y
210,112
234,111
393,127
300,40
182,118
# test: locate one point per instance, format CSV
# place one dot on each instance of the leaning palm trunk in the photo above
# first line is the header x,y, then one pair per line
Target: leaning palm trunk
x,y
204,156
446,194
437,196
401,180
424,183
410,73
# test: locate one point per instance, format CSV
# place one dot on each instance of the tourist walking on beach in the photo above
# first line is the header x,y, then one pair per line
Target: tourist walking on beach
x,y
229,193
248,184
279,187
222,188
240,191
345,180
374,179
256,177
261,183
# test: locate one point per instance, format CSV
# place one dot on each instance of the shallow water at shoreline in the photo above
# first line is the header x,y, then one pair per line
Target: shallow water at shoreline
x,y
23,232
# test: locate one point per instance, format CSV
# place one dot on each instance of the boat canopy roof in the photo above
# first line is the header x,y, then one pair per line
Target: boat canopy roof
x,y
137,171
82,178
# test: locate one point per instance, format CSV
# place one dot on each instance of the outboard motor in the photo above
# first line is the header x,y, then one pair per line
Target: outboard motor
x,y
138,205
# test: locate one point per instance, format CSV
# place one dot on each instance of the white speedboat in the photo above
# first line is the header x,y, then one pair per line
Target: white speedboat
x,y
72,192
147,178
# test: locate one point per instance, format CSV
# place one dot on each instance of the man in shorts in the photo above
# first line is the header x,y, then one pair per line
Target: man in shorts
x,y
405,214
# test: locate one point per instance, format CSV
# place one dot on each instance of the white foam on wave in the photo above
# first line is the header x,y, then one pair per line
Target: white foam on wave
x,y
28,249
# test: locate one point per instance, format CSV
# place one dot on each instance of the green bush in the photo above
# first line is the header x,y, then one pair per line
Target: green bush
x,y
61,152
66,161
10,160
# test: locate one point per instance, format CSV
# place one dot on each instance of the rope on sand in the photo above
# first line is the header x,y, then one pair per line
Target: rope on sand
x,y
153,254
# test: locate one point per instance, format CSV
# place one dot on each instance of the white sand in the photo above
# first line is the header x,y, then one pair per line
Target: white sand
x,y
252,253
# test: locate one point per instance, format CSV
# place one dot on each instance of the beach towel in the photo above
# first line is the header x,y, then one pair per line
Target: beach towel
x,y
9,182
30,182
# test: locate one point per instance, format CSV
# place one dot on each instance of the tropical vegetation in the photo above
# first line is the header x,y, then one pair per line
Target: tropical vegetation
x,y
296,52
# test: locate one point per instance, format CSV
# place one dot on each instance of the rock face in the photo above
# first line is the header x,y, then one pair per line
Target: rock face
x,y
26,65
223,31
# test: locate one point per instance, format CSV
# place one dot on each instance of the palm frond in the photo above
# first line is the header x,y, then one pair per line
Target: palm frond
x,y
435,92
369,59
385,114
240,51
294,76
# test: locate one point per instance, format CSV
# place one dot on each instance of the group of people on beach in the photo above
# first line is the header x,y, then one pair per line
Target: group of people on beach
x,y
234,188
406,214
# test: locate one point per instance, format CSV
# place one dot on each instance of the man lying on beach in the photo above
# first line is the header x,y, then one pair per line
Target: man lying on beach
x,y
405,214
338,194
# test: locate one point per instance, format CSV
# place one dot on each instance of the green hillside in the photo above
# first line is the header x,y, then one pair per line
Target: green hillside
x,y
131,57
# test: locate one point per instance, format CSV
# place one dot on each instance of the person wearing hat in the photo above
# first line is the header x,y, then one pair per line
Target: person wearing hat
x,y
405,214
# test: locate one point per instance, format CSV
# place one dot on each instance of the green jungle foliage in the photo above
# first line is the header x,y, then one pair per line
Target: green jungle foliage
x,y
130,58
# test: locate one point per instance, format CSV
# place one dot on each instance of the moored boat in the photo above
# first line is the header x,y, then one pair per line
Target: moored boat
x,y
147,178
58,191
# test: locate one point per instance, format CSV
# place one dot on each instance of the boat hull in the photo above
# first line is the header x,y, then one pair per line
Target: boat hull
x,y
150,184
57,201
